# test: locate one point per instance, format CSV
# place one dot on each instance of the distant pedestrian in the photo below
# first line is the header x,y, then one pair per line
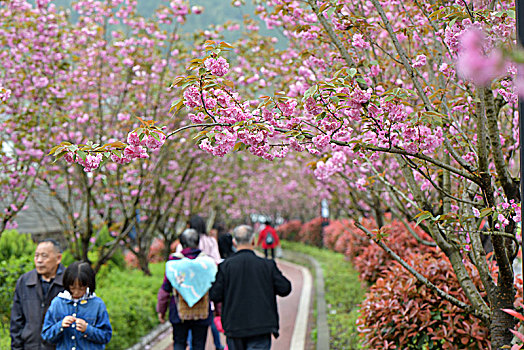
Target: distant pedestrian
x,y
269,239
77,318
247,286
189,275
225,241
207,244
33,294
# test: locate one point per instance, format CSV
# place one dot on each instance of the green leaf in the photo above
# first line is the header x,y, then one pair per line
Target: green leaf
x,y
485,212
81,154
423,215
361,81
60,155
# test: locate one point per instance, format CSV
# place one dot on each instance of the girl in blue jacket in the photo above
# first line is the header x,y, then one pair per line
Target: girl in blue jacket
x,y
77,319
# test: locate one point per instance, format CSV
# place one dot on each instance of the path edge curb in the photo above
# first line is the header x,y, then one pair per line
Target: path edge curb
x,y
148,338
322,325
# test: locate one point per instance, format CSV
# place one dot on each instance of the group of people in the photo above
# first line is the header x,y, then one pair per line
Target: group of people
x,y
56,307
212,281
239,295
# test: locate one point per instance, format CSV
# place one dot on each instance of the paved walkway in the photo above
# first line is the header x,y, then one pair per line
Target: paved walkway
x,y
294,311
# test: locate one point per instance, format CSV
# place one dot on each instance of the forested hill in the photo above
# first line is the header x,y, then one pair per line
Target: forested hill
x,y
215,12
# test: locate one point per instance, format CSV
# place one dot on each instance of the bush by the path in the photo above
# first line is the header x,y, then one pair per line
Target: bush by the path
x,y
311,233
289,230
130,297
343,291
16,257
400,312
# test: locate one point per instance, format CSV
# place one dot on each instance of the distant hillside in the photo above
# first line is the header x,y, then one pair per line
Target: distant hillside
x,y
215,12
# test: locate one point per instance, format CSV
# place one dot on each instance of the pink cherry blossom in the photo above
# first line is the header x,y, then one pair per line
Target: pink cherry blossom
x,y
359,42
217,66
474,63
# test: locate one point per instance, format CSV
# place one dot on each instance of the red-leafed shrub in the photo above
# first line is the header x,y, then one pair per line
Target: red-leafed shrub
x,y
289,230
372,260
156,252
333,232
400,312
311,232
344,237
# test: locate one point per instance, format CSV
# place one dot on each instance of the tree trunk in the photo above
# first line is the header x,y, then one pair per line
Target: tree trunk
x,y
502,322
143,263
85,248
167,247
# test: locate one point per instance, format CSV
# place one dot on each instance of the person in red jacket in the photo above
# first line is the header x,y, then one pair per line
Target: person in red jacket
x,y
269,239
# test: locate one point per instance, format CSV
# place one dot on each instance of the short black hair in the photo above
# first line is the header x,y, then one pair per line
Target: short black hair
x,y
82,272
198,223
54,242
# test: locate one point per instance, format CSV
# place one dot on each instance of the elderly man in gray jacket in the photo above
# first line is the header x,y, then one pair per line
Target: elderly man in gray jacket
x,y
33,294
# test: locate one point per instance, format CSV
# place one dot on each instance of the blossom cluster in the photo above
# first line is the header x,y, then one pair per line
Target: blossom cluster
x,y
217,66
136,148
4,94
474,64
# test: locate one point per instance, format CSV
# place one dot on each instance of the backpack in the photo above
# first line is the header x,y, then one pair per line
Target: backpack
x,y
199,311
269,238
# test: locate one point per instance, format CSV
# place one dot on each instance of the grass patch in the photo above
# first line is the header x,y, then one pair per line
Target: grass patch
x,y
343,293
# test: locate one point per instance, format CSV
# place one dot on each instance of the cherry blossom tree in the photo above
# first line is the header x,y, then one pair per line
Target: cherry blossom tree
x,y
412,102
396,98
95,86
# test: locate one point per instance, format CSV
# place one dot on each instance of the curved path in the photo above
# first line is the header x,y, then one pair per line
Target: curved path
x,y
294,312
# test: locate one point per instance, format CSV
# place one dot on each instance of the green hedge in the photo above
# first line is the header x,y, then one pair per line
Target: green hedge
x,y
130,298
343,293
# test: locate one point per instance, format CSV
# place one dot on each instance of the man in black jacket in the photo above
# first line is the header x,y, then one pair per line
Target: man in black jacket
x,y
247,286
33,294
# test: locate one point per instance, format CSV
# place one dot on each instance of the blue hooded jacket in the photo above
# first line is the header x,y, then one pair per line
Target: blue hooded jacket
x,y
89,308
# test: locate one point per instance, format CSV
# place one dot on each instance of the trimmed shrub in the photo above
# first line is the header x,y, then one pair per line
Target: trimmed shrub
x,y
343,293
10,271
5,339
16,258
130,297
373,260
289,230
400,312
311,232
344,237
16,245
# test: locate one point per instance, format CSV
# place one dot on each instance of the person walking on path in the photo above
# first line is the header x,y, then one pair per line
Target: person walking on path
x,y
247,286
208,245
189,275
33,294
225,241
269,239
77,318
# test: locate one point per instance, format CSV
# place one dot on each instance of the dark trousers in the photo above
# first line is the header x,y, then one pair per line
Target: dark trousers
x,y
257,342
198,332
272,253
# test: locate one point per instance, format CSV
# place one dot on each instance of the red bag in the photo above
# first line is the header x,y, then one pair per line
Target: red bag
x,y
218,323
